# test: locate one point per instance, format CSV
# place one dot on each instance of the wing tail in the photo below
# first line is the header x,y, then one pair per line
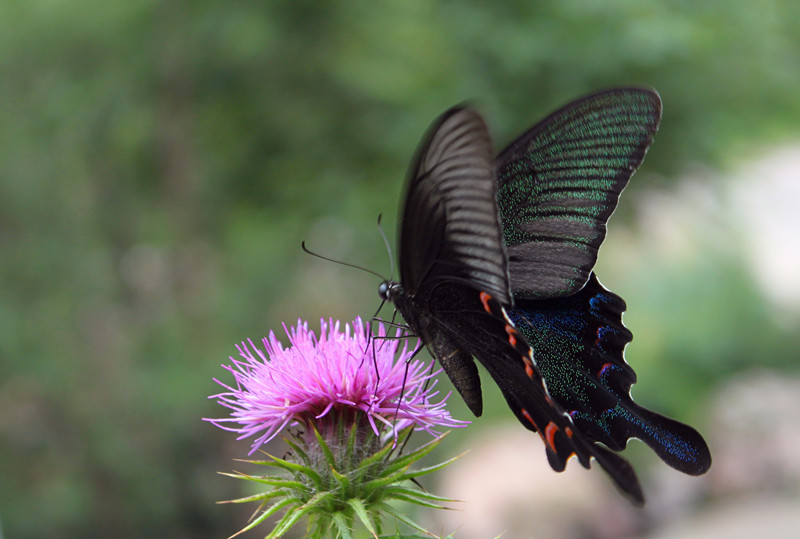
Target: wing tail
x,y
538,412
578,342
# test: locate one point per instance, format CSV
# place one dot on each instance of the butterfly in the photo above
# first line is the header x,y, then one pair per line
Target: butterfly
x,y
496,260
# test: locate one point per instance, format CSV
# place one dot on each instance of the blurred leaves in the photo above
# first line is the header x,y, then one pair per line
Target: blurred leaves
x,y
160,163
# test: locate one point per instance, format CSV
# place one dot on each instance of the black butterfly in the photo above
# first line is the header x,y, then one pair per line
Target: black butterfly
x,y
496,259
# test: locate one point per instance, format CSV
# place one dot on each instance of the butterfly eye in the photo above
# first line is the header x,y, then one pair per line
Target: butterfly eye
x,y
383,290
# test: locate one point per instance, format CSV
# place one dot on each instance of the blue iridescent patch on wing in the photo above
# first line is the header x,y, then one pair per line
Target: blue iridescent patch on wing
x,y
578,343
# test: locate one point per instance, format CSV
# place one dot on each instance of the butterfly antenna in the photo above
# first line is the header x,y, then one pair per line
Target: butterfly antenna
x,y
386,243
312,253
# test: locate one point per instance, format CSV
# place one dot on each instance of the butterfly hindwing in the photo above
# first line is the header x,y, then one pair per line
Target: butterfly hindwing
x,y
578,342
559,182
479,324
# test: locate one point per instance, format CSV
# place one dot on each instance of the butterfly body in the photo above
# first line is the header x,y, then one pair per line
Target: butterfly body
x,y
496,259
443,345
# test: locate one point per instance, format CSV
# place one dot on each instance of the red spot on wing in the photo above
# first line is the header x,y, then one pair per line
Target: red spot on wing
x,y
603,369
570,434
485,299
550,435
527,416
529,370
512,335
517,342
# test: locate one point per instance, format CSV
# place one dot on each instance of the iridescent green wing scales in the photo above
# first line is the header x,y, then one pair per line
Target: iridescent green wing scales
x,y
558,185
578,344
560,181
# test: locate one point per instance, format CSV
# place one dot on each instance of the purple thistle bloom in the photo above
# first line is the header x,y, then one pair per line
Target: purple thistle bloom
x,y
318,381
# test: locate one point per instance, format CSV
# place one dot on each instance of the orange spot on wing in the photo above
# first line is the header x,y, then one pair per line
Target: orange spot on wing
x,y
512,335
569,432
527,416
485,299
529,370
550,434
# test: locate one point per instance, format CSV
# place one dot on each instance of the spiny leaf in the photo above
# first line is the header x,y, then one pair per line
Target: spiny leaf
x,y
286,522
272,480
298,450
344,483
296,468
325,449
415,501
351,438
383,481
388,509
430,469
293,515
414,456
390,491
389,446
342,525
259,497
266,514
363,515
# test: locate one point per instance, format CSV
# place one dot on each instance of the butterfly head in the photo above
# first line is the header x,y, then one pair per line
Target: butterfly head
x,y
389,290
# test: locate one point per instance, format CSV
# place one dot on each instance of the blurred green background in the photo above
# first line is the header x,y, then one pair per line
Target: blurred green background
x,y
161,161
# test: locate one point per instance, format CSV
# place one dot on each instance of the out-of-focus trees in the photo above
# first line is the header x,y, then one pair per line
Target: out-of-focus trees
x,y
160,162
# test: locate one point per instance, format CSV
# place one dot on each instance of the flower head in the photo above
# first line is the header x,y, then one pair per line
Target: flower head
x,y
353,392
317,381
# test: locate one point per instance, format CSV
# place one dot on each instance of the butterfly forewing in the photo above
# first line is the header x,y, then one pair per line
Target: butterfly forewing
x,y
560,181
450,226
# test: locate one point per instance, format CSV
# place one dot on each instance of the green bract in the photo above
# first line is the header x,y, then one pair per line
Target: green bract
x,y
334,485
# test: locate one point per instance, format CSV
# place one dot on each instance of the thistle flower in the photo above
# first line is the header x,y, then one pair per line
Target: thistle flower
x,y
352,394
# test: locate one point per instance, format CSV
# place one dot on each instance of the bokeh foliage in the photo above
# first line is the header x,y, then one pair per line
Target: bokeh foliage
x,y
160,162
